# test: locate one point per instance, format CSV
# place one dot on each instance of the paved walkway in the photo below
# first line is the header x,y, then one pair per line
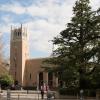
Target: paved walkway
x,y
32,95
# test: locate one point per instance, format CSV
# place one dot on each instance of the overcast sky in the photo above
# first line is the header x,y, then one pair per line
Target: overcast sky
x,y
44,20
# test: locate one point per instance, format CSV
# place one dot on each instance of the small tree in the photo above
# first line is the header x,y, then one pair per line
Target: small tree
x,y
3,63
6,80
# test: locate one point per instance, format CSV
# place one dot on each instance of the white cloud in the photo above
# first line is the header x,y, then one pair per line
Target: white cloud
x,y
15,8
52,19
41,32
95,4
4,28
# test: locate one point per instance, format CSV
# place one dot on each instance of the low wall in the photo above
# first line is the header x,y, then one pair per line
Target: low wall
x,y
58,96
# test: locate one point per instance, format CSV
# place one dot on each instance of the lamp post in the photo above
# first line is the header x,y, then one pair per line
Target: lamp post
x,y
38,85
81,94
8,94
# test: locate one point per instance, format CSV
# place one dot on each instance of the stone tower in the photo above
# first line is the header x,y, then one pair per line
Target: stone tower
x,y
18,54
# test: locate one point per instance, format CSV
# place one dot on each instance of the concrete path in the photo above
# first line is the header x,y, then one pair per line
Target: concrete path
x,y
32,95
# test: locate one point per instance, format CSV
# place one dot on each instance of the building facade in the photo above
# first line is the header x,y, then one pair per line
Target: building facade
x,y
26,72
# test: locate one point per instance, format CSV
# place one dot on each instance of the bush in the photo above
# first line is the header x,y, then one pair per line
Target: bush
x,y
30,88
66,91
6,80
89,92
86,92
63,91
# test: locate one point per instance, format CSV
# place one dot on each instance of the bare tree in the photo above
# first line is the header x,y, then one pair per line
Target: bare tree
x,y
2,61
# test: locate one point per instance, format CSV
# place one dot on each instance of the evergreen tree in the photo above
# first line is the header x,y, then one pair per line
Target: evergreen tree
x,y
78,47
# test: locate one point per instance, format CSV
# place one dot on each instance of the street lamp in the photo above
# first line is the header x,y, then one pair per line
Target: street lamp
x,y
81,94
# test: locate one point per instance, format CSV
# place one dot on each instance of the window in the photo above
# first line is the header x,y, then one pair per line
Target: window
x,y
15,34
30,76
18,33
50,79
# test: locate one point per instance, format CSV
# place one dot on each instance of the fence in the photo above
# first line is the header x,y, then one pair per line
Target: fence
x,y
34,95
21,95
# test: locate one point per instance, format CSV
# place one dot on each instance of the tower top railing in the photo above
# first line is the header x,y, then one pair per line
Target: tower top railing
x,y
18,33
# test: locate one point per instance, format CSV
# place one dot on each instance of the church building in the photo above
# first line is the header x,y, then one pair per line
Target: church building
x,y
27,72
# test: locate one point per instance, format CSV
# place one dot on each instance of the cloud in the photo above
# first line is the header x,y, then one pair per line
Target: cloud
x,y
55,18
41,32
13,7
45,19
95,4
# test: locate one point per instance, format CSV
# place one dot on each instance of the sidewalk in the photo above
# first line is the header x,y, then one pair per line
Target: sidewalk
x,y
32,95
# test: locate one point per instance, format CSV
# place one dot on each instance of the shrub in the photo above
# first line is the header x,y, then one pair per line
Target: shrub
x,y
66,91
6,80
30,88
86,92
89,92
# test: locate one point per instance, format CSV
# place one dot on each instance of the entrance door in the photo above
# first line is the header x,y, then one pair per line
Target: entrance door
x,y
40,79
50,79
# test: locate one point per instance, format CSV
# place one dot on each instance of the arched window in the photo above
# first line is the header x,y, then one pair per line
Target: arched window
x,y
15,34
30,76
40,79
18,33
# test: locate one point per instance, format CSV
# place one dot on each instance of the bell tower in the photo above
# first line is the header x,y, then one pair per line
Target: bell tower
x,y
18,54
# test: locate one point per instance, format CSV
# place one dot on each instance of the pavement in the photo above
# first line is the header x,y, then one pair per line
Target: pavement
x,y
28,95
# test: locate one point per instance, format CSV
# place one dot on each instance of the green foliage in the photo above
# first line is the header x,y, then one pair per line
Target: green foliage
x,y
78,48
89,92
66,91
6,80
30,88
75,91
